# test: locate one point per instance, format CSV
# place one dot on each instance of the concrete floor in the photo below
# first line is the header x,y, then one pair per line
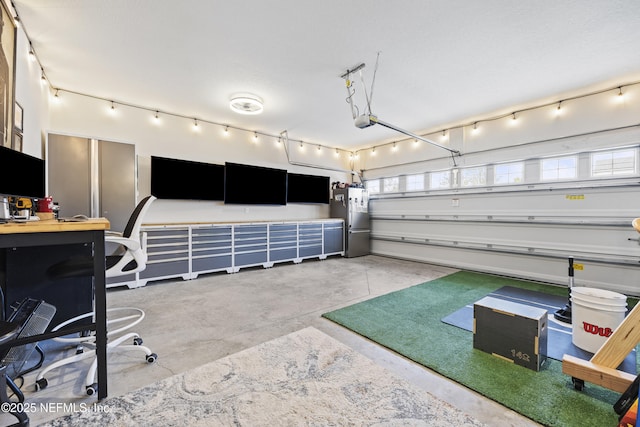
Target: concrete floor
x,y
190,323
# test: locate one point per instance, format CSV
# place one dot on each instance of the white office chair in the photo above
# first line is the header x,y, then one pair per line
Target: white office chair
x,y
128,258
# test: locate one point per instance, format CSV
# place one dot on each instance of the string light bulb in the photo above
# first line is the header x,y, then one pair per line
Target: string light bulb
x,y
514,119
32,53
620,97
558,109
255,136
226,130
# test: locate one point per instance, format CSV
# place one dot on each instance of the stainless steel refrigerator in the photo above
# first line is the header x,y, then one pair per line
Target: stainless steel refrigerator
x,y
352,205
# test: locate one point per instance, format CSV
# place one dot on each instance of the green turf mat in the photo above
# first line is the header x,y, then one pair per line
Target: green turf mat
x,y
408,322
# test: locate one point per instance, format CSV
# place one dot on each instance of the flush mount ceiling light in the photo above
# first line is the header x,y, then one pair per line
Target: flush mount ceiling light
x,y
246,104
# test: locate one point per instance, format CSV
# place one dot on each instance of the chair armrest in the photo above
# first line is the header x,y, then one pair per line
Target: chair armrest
x,y
112,233
130,244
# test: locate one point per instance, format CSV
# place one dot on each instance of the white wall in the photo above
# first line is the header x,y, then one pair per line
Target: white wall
x,y
175,137
505,139
33,96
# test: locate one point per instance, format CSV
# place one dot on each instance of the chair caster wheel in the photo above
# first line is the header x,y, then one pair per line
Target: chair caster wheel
x,y
578,384
41,384
152,358
92,389
137,341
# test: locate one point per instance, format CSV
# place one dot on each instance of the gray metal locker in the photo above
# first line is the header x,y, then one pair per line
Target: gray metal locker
x,y
92,177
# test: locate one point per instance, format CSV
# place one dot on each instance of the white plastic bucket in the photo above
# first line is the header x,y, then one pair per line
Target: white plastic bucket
x,y
595,314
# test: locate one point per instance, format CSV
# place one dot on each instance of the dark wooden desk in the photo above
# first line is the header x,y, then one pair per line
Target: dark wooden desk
x,y
50,233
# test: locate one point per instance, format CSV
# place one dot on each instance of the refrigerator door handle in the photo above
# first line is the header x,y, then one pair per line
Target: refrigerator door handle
x,y
359,231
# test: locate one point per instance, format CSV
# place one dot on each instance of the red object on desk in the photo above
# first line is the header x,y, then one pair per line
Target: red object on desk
x,y
45,204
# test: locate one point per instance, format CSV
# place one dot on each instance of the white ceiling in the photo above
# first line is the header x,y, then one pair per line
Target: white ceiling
x,y
441,63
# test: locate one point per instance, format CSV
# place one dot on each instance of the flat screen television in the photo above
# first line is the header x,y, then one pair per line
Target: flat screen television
x,y
186,180
21,175
254,185
307,188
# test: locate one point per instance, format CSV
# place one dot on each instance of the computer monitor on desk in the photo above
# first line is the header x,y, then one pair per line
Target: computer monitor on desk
x,y
21,175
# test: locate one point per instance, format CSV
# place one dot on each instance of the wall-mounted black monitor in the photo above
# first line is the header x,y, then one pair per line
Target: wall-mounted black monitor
x,y
254,185
186,180
307,188
20,174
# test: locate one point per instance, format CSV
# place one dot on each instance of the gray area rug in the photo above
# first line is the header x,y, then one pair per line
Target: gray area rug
x,y
304,378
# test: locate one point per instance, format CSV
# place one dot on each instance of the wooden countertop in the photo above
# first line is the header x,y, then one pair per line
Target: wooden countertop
x,y
275,221
53,225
